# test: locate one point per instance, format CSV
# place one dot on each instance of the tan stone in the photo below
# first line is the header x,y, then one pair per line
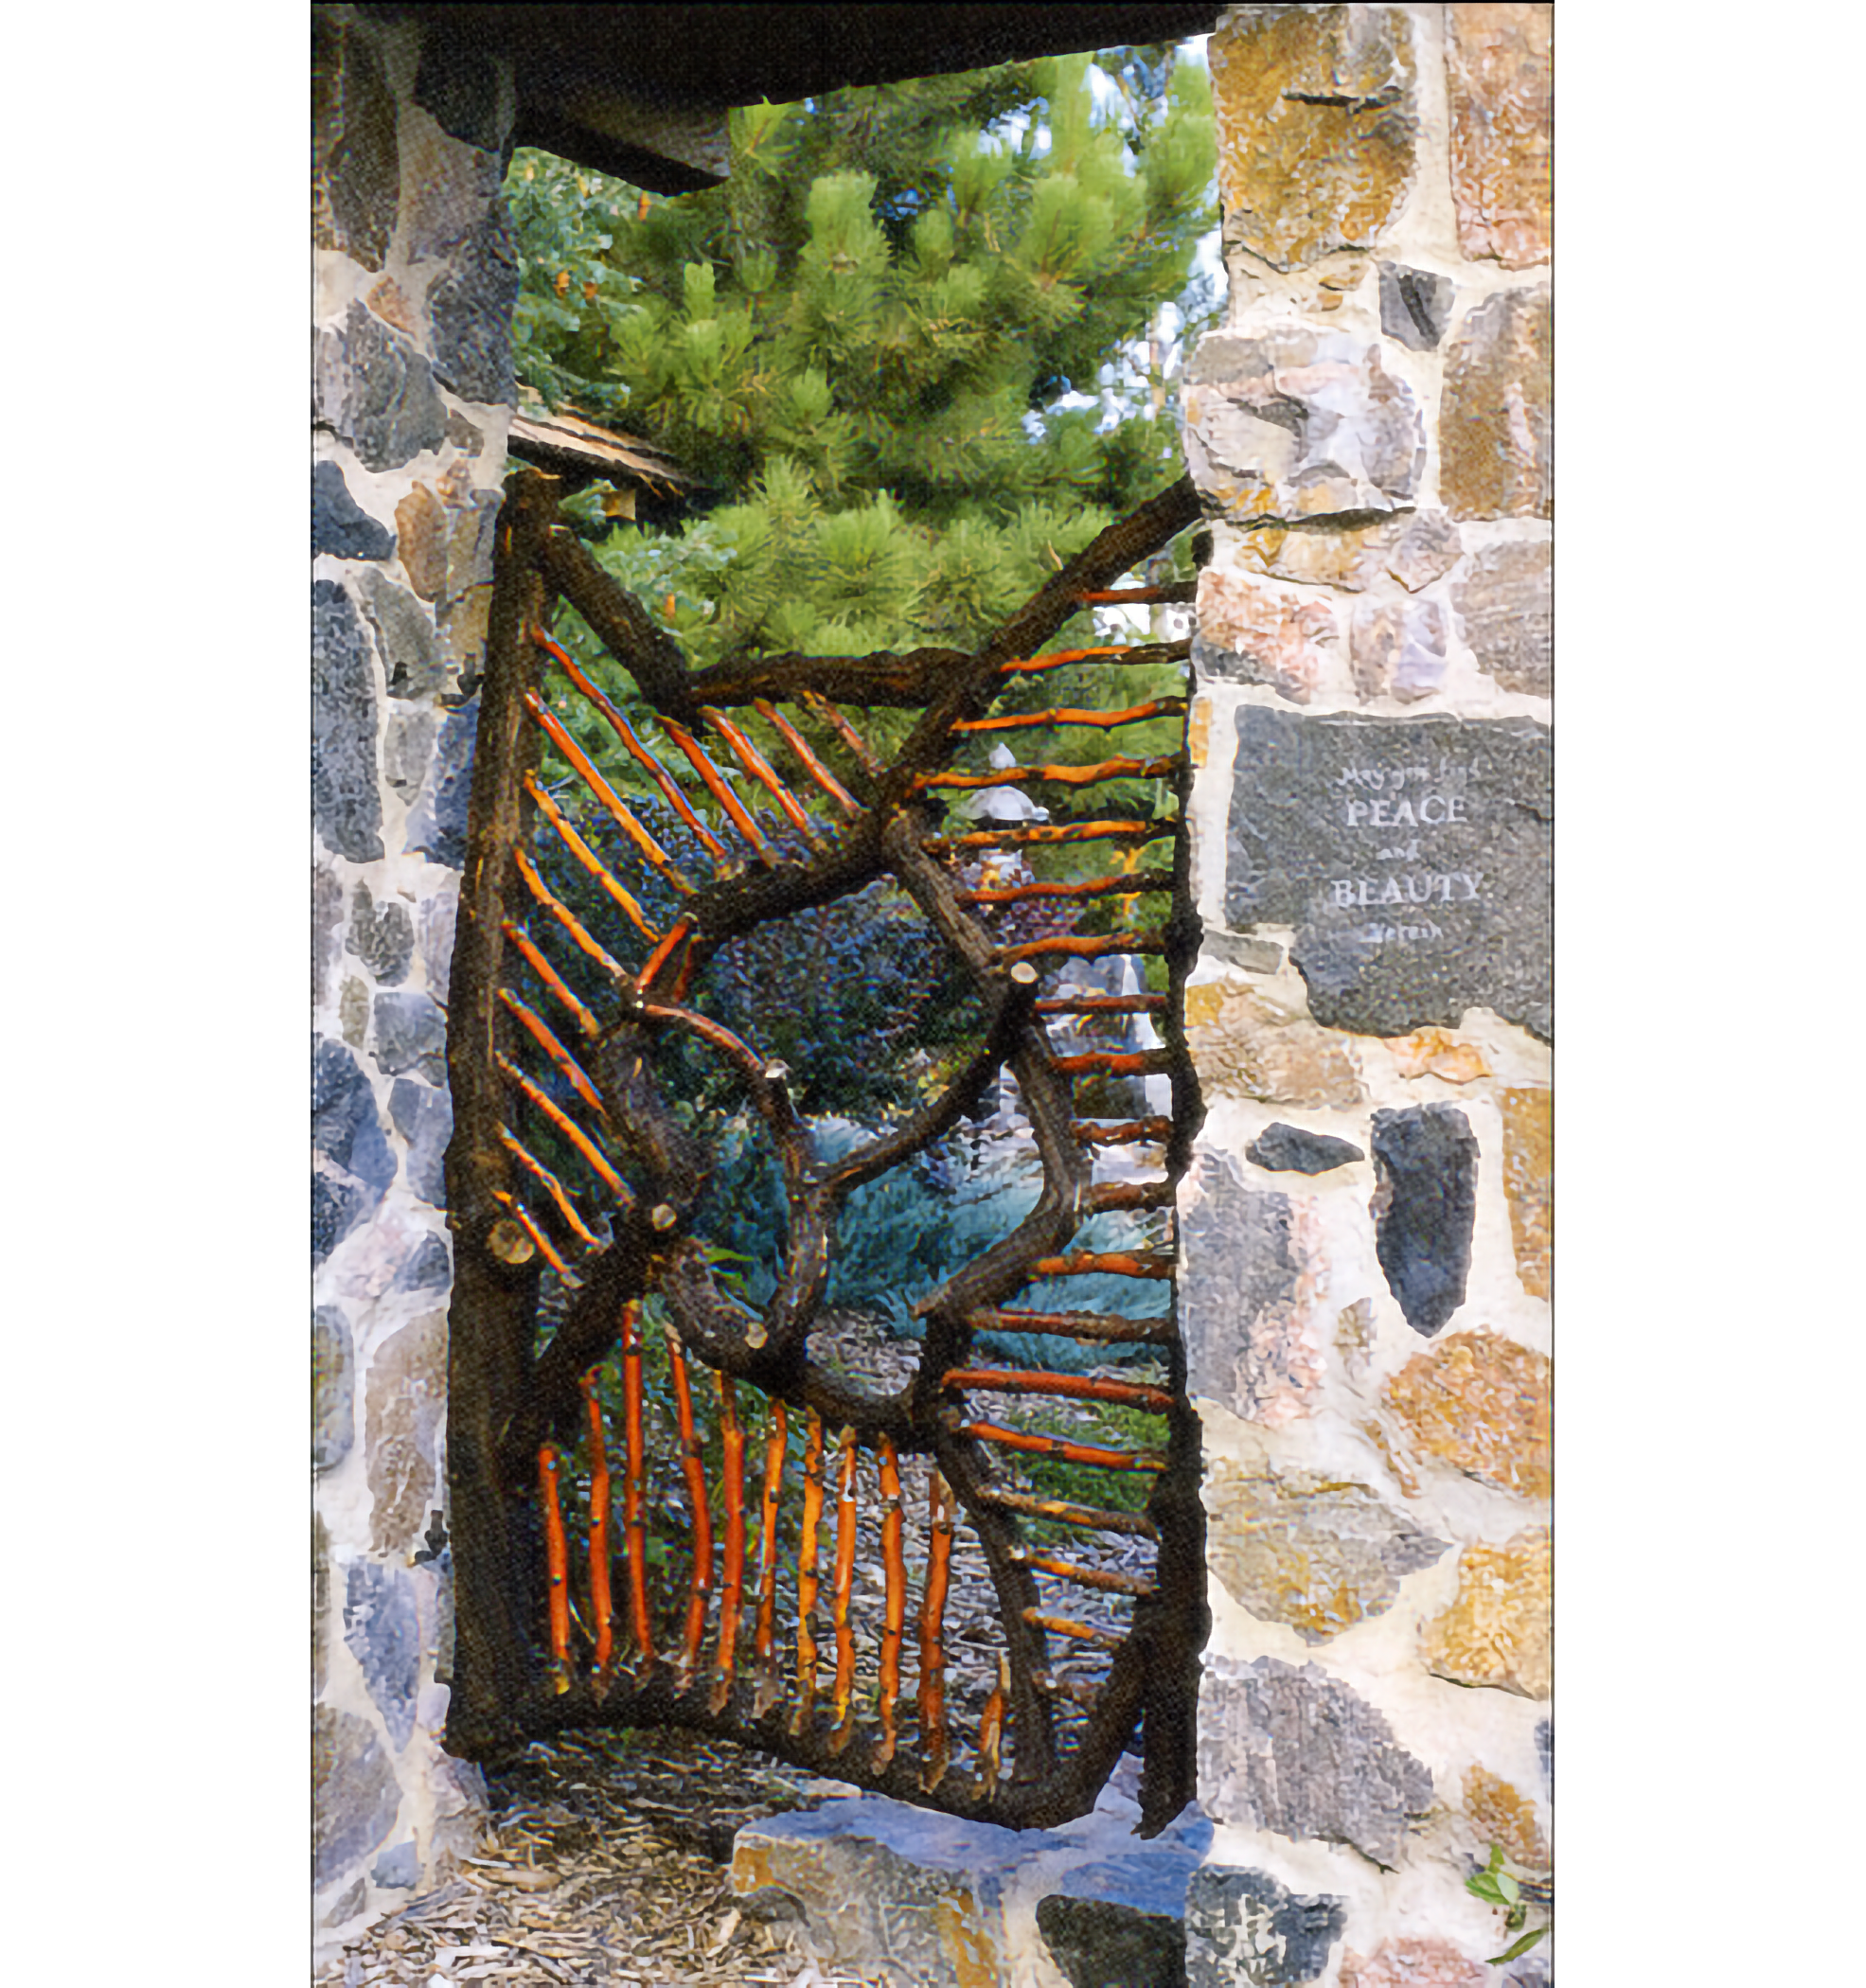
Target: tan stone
x,y
1310,1552
1496,425
407,1395
1529,1183
1478,1402
463,624
1403,1473
1354,1336
387,301
1497,63
1433,1051
1497,1632
1271,637
1416,547
1501,1813
1247,1043
1413,1963
1317,126
420,523
1506,604
1397,647
1198,732
353,1011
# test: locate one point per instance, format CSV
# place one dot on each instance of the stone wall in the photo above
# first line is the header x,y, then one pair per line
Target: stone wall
x,y
414,279
1366,1230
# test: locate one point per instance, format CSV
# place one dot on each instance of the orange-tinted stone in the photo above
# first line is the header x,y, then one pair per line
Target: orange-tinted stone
x,y
1317,126
1501,1813
407,1396
1198,732
1246,1043
386,300
1495,427
1478,1402
1413,1963
420,523
1433,1051
1497,1631
1498,65
1271,636
1416,547
1529,1183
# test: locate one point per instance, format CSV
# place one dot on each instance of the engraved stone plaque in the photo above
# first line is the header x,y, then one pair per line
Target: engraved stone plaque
x,y
1412,856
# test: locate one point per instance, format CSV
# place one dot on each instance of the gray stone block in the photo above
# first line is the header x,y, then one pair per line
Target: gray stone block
x,y
377,392
408,746
346,809
1425,1209
1412,856
340,525
404,634
327,923
1280,1148
356,163
398,1869
382,1629
1415,306
1243,1930
334,1387
1290,1748
469,314
344,1127
438,823
354,1794
382,937
337,1207
1098,1943
431,1267
424,1117
410,1033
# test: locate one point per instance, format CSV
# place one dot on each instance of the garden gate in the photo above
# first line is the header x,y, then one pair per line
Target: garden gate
x,y
600,1341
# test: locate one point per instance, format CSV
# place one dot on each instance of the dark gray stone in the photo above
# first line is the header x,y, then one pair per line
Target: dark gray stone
x,y
1098,1943
398,1869
347,809
1425,1209
424,1117
1506,603
354,1795
1239,1294
383,1631
1533,1971
337,1207
334,1387
356,167
320,1601
377,392
340,525
405,635
327,921
343,1124
469,314
459,88
1411,855
1294,1750
1415,306
1545,1752
438,824
1288,1149
431,1267
411,1034
1245,1930
382,937
1254,955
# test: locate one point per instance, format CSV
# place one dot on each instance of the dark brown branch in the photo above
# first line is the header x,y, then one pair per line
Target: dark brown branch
x,y
649,653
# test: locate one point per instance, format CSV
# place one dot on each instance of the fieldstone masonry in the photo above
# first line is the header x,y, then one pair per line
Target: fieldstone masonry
x,y
1365,1236
414,277
1367,1233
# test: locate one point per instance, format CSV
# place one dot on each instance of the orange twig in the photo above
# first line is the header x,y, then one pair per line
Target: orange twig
x,y
1027,665
1130,1132
1105,1326
604,792
1090,1517
807,755
523,1216
1073,1387
846,1516
1084,1576
1139,1062
1102,1004
763,773
935,1749
600,1601
589,859
557,1561
1124,884
1087,947
991,1730
732,1580
566,917
807,1551
570,1129
1067,1625
635,749
1069,715
553,1186
1124,769
633,1520
1069,1452
717,784
1116,832
822,709
551,977
894,1618
1089,1263
540,1031
700,1588
764,1645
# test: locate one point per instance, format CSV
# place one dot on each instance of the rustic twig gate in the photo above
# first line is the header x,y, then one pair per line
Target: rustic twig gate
x,y
560,1623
